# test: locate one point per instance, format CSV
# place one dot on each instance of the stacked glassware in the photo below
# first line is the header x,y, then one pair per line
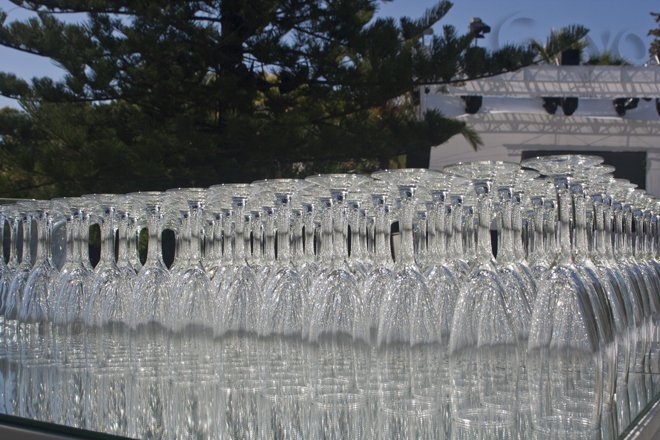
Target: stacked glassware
x,y
292,310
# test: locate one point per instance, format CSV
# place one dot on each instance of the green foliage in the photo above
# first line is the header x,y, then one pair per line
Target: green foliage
x,y
654,48
192,93
606,59
569,37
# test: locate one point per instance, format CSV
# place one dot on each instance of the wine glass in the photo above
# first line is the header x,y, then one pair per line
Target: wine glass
x,y
441,276
13,216
518,292
192,304
410,312
15,294
237,290
567,335
148,336
308,266
484,353
218,199
380,281
72,267
107,302
128,221
336,305
151,295
36,307
285,297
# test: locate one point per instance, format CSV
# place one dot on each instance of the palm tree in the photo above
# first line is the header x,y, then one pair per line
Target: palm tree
x,y
569,37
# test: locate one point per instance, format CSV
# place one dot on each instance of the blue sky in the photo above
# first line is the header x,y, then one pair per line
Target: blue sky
x,y
617,26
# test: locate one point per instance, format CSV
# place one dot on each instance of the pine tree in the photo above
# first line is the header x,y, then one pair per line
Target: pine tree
x,y
654,48
191,93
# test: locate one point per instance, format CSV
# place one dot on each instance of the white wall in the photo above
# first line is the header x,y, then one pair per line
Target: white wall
x,y
508,126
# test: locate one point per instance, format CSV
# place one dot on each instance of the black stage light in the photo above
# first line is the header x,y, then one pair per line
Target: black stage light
x,y
621,105
550,105
569,105
472,103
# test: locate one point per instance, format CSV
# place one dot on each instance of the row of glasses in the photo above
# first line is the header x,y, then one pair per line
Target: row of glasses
x,y
568,308
233,224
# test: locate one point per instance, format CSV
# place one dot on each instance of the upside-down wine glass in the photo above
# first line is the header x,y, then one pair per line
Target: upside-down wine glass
x,y
567,351
285,298
237,291
484,355
15,293
336,303
35,312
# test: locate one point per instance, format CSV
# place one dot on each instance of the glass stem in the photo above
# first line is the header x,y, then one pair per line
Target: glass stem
x,y
618,245
26,258
308,222
13,253
538,248
297,254
339,225
407,251
627,238
517,228
216,247
2,239
646,232
326,252
353,223
565,211
550,228
72,227
608,228
432,232
638,221
383,253
599,227
283,227
505,252
269,235
239,228
108,237
43,244
122,246
133,229
437,226
363,232
484,249
581,246
257,238
470,234
195,231
654,237
445,235
83,239
154,252
457,228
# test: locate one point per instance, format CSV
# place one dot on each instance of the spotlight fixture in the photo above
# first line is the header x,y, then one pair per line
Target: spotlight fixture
x,y
472,103
621,105
478,27
570,57
569,105
550,104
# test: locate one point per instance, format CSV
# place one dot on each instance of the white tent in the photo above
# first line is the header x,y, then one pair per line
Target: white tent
x,y
512,118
